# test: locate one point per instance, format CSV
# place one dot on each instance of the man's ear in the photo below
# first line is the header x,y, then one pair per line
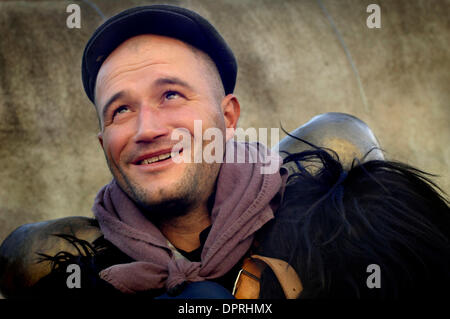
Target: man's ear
x,y
100,138
231,111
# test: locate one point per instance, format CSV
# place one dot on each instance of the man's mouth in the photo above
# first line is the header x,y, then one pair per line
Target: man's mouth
x,y
155,159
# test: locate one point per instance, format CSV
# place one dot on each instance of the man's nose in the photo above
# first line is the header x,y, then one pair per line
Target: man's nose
x,y
149,125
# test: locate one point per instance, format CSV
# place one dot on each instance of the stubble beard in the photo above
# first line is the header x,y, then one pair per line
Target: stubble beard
x,y
191,190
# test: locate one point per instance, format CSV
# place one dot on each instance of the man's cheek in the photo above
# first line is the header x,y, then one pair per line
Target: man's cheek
x,y
112,150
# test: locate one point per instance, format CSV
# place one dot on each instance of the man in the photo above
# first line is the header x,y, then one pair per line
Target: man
x,y
166,68
151,71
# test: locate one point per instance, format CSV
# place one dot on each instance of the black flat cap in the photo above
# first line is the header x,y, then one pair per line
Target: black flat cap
x,y
165,20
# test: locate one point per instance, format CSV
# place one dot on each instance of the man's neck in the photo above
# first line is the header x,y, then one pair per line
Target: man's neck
x,y
183,232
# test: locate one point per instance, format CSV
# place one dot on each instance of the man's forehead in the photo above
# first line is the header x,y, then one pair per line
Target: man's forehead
x,y
144,51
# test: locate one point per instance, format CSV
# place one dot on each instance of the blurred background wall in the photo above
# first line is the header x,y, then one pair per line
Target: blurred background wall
x,y
295,61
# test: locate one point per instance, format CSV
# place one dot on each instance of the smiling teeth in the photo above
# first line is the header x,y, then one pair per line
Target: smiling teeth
x,y
156,158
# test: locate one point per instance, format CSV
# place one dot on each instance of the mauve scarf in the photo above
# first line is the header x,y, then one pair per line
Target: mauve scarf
x,y
242,206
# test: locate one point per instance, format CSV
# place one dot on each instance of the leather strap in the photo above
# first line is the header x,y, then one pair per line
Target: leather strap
x,y
247,285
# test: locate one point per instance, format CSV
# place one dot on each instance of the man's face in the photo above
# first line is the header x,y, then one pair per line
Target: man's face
x,y
148,87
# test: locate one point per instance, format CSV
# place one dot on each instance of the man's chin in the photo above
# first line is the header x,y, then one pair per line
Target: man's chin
x,y
164,196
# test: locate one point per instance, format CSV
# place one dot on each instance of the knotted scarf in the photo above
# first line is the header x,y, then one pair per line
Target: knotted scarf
x,y
243,204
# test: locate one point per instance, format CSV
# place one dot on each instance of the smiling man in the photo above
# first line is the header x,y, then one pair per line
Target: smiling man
x,y
164,227
151,71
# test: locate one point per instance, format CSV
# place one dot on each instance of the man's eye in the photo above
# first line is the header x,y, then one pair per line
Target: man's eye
x,y
171,95
121,109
